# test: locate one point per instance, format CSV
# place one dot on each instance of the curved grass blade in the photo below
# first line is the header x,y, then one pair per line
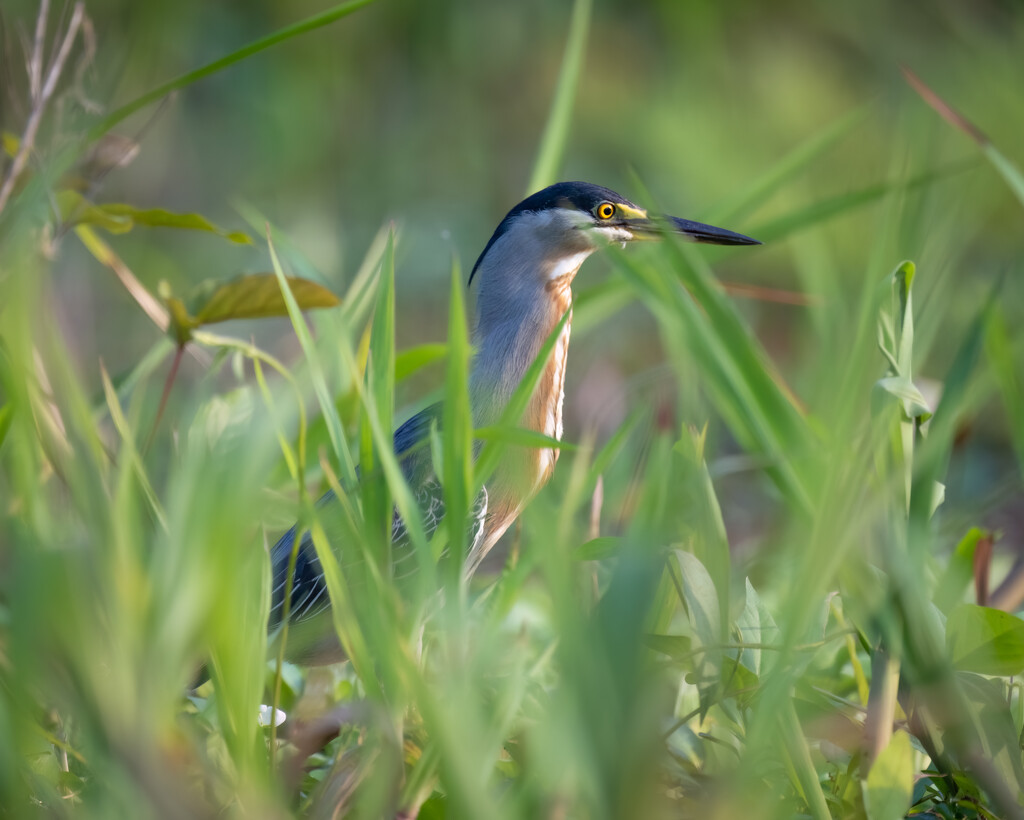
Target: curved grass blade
x,y
457,431
556,132
288,32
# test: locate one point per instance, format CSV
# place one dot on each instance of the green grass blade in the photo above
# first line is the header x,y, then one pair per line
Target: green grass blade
x,y
790,166
556,132
327,408
457,430
1010,173
380,375
804,218
288,32
1007,372
736,370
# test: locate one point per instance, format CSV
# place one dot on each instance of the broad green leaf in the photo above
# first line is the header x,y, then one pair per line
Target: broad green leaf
x,y
701,602
988,707
890,783
699,597
711,543
984,640
254,296
755,626
738,680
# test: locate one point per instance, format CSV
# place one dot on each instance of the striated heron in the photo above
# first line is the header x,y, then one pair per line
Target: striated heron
x,y
523,282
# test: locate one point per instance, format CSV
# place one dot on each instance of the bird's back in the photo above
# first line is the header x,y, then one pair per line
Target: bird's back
x,y
309,588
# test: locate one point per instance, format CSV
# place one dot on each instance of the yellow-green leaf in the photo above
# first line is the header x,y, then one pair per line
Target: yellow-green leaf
x,y
162,218
254,296
75,209
10,143
985,640
890,784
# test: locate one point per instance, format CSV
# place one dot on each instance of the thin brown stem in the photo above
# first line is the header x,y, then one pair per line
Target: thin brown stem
x,y
35,116
178,353
35,59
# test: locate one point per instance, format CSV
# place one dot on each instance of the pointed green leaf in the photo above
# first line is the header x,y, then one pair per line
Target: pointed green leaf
x,y
162,218
254,296
311,23
915,406
556,131
984,640
827,209
521,437
380,374
890,783
457,428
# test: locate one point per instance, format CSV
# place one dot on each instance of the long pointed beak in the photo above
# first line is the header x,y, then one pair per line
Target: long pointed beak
x,y
694,231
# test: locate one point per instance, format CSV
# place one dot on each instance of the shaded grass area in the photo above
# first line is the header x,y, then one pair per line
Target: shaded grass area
x,y
622,660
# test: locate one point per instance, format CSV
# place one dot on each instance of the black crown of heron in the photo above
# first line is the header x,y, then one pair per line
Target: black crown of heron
x,y
523,279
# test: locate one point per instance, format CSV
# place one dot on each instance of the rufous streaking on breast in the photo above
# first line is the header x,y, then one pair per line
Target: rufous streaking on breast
x,y
525,277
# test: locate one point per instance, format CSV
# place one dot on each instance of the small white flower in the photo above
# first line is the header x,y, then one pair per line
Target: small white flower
x,y
265,712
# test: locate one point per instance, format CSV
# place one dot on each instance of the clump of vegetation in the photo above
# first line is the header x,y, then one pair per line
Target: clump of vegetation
x,y
623,659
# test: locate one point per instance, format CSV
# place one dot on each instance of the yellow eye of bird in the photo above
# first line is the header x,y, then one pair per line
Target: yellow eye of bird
x,y
605,210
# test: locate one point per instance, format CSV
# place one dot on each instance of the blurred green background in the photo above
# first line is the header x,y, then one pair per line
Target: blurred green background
x,y
430,114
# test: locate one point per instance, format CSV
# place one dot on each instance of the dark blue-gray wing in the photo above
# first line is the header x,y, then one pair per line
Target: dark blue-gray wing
x,y
430,502
309,589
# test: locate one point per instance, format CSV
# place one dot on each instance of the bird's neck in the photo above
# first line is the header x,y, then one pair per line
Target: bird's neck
x,y
504,352
524,293
507,344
